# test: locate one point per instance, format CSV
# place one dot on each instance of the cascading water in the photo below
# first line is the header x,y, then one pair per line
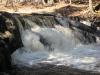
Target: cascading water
x,y
59,46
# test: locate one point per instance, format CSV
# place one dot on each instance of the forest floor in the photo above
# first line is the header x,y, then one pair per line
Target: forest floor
x,y
63,8
74,9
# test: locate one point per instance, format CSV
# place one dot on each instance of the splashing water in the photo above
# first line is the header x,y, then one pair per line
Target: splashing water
x,y
57,46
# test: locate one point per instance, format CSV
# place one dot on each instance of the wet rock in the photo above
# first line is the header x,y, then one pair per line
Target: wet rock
x,y
9,40
49,69
11,31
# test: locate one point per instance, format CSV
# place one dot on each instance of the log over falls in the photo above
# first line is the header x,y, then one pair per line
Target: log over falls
x,y
45,44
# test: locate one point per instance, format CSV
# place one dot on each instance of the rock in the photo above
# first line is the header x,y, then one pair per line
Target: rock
x,y
10,39
48,69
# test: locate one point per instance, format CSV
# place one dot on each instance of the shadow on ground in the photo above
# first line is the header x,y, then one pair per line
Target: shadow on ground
x,y
68,10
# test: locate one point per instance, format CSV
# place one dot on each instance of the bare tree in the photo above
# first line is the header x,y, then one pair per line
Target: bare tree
x,y
90,6
70,2
1,1
44,2
10,2
47,2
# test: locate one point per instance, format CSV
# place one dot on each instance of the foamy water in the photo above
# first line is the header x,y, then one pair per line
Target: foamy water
x,y
56,46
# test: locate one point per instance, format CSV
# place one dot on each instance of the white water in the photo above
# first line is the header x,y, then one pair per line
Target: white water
x,y
86,23
61,48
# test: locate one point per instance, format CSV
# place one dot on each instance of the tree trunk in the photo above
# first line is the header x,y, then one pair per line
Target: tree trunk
x,y
70,2
50,2
47,2
43,2
90,6
10,2
1,1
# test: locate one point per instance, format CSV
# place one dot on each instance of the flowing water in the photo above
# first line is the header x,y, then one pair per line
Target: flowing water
x,y
59,45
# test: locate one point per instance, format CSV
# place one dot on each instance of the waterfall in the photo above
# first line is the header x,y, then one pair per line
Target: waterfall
x,y
59,45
